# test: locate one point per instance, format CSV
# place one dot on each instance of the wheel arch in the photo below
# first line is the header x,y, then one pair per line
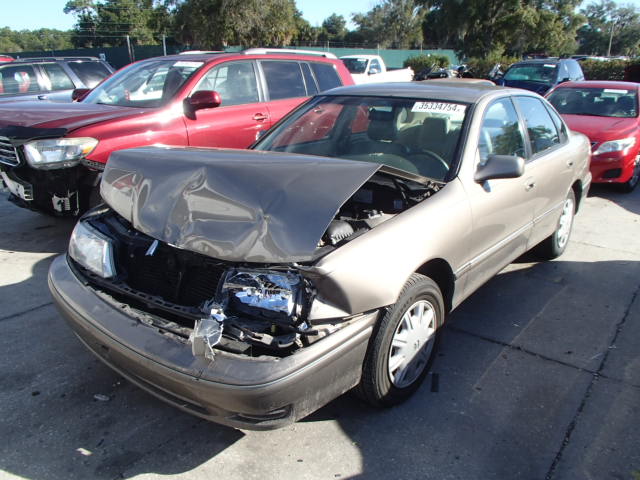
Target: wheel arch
x,y
440,272
577,190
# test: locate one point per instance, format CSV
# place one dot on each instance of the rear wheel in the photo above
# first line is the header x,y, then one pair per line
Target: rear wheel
x,y
555,245
401,348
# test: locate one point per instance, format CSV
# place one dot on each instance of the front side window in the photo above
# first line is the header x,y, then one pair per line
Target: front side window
x,y
600,102
18,79
415,135
500,133
542,131
355,65
235,82
57,78
147,84
284,79
375,67
533,72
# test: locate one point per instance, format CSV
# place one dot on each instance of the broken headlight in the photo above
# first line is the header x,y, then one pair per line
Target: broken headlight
x,y
263,290
58,152
92,250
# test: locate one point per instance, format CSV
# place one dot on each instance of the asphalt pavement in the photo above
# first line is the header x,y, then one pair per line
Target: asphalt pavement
x,y
537,377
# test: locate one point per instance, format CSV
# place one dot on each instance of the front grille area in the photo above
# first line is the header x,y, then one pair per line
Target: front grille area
x,y
178,276
8,153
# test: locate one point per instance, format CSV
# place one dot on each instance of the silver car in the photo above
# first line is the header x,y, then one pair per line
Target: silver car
x,y
251,287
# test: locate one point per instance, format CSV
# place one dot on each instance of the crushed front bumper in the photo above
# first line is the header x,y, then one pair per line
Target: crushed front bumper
x,y
257,393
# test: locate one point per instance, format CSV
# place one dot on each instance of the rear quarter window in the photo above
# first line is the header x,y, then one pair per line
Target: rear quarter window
x,y
326,75
89,73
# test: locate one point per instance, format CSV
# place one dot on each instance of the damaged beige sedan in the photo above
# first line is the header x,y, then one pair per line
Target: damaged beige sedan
x,y
251,287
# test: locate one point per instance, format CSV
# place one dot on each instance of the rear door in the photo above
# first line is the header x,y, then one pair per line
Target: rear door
x,y
237,122
285,84
549,170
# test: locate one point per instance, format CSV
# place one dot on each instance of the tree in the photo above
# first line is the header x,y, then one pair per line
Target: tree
x,y
483,28
44,39
108,22
392,23
335,28
218,23
606,22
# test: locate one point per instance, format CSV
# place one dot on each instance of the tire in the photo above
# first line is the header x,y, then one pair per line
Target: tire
x,y
631,184
555,245
384,384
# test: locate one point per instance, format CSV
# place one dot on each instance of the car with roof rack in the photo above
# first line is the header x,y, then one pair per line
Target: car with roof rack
x,y
52,155
50,78
251,287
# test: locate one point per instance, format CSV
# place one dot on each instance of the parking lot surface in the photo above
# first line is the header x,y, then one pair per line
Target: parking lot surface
x,y
538,377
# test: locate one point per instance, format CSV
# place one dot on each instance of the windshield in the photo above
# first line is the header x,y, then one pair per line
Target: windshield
x,y
415,135
601,102
355,65
146,84
532,72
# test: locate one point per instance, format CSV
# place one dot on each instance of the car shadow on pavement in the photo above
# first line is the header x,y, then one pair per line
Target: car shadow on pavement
x,y
514,366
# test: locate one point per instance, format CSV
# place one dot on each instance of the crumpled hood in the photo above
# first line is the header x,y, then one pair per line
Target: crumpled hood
x,y
60,115
235,205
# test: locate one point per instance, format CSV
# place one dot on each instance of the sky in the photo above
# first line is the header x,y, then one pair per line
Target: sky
x,y
34,14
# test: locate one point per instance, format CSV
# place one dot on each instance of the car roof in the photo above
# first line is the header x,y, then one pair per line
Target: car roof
x,y
360,56
466,92
600,84
215,56
545,60
55,59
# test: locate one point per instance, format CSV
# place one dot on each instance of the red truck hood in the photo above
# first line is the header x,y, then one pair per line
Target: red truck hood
x,y
60,115
601,129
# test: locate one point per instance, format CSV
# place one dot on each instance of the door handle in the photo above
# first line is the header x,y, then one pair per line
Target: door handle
x,y
260,117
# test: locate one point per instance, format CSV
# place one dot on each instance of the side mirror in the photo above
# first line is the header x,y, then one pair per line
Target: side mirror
x,y
203,99
500,166
79,93
566,79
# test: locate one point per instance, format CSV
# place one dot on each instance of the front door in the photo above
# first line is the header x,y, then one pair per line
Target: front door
x,y
236,123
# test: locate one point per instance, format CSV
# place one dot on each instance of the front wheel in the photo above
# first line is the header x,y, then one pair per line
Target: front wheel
x,y
555,245
401,348
631,184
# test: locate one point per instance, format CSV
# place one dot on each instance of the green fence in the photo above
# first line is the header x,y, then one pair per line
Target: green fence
x,y
119,56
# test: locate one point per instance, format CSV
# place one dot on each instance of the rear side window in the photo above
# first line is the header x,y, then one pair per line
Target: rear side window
x,y
543,134
89,73
18,79
326,75
500,133
57,77
575,72
284,79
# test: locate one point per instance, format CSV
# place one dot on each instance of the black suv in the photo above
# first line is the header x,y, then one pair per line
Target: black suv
x,y
541,75
50,78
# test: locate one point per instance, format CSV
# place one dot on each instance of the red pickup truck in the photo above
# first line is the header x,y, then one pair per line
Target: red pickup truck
x,y
52,154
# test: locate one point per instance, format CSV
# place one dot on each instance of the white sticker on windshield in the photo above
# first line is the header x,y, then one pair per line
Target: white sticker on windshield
x,y
187,64
438,107
615,90
549,65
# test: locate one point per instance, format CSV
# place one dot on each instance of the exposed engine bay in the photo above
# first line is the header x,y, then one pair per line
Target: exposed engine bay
x,y
378,200
244,308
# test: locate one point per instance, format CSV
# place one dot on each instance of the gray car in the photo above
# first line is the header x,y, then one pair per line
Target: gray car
x,y
252,287
50,78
